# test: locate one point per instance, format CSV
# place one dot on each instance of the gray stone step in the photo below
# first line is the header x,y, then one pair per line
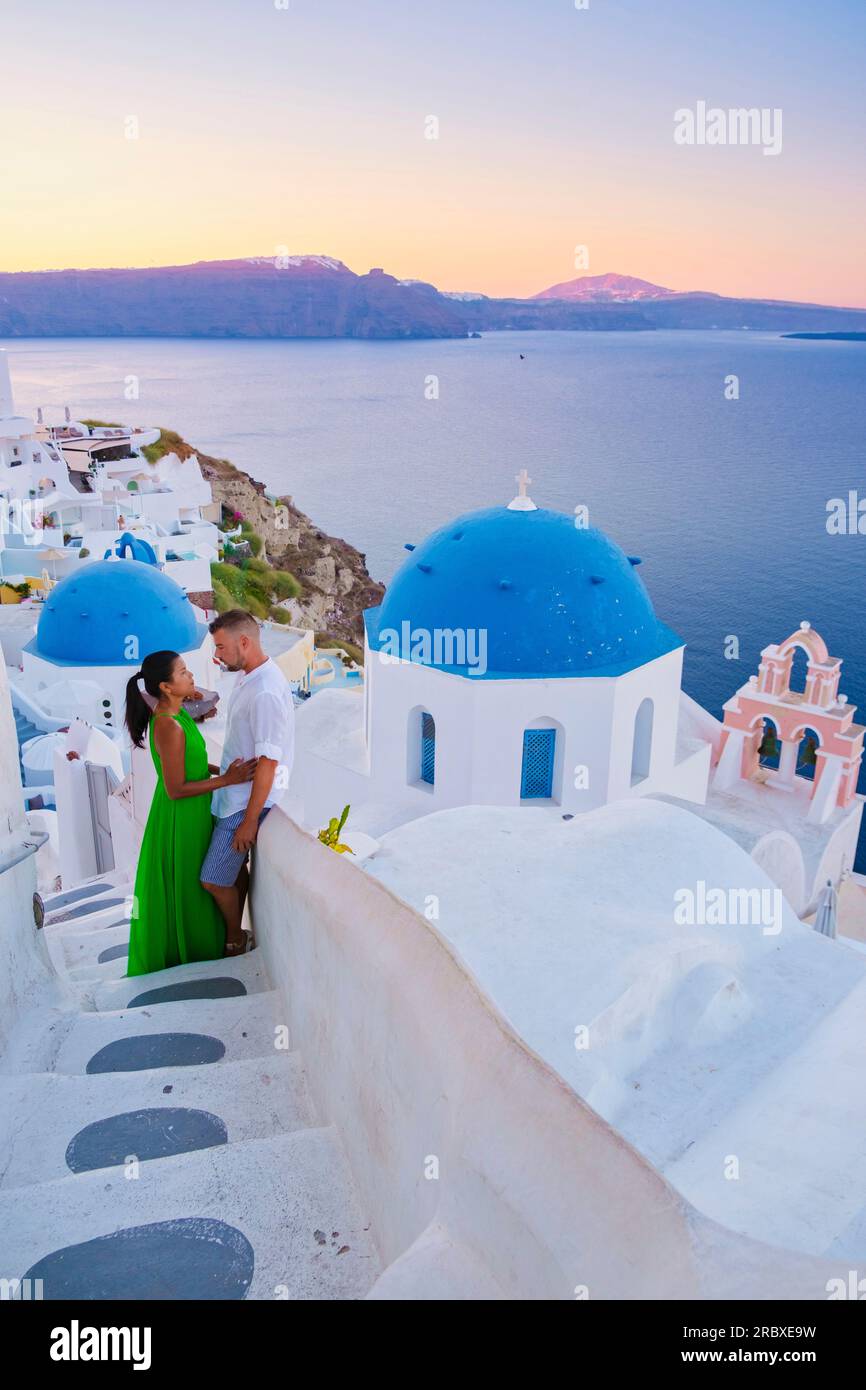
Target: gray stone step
x,y
264,1219
189,1032
77,953
248,970
42,1115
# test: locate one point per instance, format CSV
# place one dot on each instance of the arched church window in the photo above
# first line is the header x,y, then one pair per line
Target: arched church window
x,y
642,745
539,756
428,748
770,748
799,671
807,754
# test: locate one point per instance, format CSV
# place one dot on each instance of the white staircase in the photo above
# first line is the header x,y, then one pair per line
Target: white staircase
x,y
156,1175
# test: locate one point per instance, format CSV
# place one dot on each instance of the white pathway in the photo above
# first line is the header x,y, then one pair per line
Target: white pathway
x,y
266,1210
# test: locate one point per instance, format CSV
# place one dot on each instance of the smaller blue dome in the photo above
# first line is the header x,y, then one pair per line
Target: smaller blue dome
x,y
131,547
90,617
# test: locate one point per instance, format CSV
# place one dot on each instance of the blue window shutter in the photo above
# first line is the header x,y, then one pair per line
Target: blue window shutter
x,y
428,749
536,778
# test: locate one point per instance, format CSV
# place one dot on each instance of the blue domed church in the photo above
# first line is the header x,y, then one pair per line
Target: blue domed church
x,y
516,659
98,625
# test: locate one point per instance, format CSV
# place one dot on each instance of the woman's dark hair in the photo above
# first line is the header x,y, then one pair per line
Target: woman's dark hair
x,y
155,669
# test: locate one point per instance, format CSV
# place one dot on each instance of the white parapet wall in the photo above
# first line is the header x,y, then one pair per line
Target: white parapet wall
x,y
483,1174
27,978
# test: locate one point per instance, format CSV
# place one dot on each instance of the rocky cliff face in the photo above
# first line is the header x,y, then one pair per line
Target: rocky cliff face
x,y
336,584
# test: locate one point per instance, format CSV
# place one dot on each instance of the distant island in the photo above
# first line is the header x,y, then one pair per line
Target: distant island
x,y
318,296
830,337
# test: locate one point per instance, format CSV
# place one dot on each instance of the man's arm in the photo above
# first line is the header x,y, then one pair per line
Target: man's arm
x,y
171,745
263,780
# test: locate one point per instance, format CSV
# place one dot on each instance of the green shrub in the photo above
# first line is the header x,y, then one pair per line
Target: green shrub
x,y
168,441
280,615
253,585
251,537
250,565
257,603
230,577
285,584
222,599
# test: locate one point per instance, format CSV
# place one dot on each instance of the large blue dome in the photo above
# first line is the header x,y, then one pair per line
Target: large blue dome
x,y
90,617
553,599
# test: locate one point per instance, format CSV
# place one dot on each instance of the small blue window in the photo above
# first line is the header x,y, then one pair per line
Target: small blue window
x,y
428,749
536,779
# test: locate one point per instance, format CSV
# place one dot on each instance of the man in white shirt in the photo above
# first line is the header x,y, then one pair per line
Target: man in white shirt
x,y
260,723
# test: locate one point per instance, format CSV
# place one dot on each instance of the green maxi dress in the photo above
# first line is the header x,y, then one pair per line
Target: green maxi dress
x,y
173,919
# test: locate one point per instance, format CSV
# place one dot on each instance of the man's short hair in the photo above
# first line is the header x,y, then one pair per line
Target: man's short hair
x,y
236,620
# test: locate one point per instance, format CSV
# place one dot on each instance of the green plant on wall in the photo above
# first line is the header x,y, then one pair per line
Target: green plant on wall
x,y
254,585
169,442
330,836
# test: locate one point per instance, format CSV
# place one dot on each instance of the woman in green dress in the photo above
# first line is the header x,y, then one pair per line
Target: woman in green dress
x,y
173,919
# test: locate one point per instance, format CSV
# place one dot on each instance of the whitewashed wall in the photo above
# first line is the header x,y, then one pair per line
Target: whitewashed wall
x,y
536,1196
27,978
39,673
480,725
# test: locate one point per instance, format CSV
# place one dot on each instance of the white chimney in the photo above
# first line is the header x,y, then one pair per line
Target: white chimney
x,y
7,404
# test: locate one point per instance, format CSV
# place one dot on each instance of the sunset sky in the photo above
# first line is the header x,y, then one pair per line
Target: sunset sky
x,y
262,128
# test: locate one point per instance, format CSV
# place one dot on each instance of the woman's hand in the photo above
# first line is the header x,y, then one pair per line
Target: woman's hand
x,y
239,771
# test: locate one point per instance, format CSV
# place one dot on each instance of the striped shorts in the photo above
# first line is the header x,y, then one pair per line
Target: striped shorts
x,y
223,863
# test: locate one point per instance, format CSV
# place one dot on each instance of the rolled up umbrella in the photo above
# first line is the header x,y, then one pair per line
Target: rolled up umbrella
x,y
825,917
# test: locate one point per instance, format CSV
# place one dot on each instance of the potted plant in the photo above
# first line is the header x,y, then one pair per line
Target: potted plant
x,y
330,836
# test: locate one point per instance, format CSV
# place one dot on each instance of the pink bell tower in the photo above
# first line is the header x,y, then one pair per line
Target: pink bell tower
x,y
819,711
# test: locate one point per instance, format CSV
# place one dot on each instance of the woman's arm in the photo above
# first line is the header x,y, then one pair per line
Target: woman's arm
x,y
170,742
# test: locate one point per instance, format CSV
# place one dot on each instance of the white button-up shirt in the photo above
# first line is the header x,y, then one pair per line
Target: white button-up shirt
x,y
260,723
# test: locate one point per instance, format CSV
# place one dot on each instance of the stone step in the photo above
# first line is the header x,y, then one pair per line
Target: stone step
x,y
24,729
91,914
264,1219
41,1116
186,1033
77,954
247,970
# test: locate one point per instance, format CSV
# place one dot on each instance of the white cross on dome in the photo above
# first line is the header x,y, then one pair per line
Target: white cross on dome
x,y
522,502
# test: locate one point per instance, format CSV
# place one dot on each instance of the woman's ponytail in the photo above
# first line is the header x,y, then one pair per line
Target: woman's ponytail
x,y
155,669
137,711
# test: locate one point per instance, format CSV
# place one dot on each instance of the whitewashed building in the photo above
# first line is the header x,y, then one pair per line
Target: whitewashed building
x,y
515,660
72,493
